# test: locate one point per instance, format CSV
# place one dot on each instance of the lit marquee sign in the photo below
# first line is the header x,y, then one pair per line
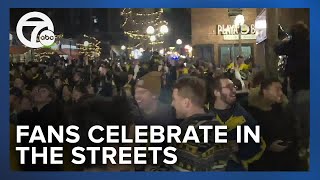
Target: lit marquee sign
x,y
230,32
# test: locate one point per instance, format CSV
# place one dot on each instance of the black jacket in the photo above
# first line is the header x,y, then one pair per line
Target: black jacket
x,y
48,115
276,123
298,64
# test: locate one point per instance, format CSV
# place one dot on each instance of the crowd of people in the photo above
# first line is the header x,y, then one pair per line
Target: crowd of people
x,y
162,92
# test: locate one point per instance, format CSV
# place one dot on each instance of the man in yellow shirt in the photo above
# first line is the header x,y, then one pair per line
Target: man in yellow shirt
x,y
240,63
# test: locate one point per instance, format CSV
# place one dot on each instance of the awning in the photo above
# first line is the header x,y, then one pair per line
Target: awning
x,y
18,49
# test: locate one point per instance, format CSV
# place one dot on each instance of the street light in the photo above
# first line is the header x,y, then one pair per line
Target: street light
x,y
164,29
239,21
161,51
179,41
150,30
153,38
123,47
86,44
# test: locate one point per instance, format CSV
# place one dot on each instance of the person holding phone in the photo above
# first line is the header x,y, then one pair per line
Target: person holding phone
x,y
268,105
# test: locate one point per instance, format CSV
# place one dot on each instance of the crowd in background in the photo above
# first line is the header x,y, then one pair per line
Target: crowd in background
x,y
166,92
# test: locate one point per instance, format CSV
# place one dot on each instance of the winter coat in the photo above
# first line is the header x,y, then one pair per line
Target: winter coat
x,y
298,63
276,124
48,115
201,156
248,152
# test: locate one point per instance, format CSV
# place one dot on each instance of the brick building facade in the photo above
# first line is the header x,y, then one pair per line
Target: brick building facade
x,y
211,43
286,17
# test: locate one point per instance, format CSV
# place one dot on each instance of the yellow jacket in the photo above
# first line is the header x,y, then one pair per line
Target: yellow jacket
x,y
243,67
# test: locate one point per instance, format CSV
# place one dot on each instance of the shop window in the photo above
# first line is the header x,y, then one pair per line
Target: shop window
x,y
228,52
204,52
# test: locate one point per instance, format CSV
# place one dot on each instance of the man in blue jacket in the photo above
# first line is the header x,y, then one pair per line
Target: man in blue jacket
x,y
230,113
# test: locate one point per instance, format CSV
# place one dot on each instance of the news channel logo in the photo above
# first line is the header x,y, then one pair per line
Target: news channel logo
x,y
38,40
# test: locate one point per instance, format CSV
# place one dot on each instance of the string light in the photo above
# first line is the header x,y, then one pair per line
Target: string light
x,y
150,14
92,50
141,36
151,22
123,13
156,42
42,55
125,22
59,36
135,24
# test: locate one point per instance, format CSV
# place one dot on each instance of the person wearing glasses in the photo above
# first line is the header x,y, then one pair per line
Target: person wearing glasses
x,y
230,113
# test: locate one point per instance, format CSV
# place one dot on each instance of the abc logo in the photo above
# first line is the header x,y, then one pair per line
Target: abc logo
x,y
46,37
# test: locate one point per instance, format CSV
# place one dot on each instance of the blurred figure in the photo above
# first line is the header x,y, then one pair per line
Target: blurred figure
x,y
297,48
67,94
15,98
239,63
58,87
268,105
147,92
106,111
103,83
297,71
77,78
90,89
44,114
19,83
78,92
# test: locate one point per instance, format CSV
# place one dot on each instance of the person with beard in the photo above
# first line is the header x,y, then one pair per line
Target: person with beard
x,y
268,105
151,110
147,92
188,99
230,113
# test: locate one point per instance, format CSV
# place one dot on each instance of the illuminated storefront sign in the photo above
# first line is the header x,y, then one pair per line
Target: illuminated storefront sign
x,y
230,32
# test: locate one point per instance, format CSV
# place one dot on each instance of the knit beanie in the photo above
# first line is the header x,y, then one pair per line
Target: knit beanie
x,y
151,81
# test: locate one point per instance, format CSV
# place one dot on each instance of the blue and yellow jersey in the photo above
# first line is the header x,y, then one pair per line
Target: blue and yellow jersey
x,y
248,152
